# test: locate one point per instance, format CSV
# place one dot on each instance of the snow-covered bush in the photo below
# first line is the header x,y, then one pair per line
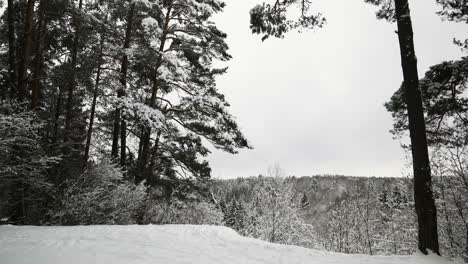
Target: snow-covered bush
x,y
450,164
275,215
24,185
101,196
176,211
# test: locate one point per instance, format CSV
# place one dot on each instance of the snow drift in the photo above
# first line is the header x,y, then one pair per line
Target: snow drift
x,y
174,244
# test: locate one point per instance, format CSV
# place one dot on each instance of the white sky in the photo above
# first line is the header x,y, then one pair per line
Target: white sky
x,y
313,102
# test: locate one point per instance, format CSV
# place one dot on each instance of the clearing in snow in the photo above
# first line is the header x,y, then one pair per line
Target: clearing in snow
x,y
172,244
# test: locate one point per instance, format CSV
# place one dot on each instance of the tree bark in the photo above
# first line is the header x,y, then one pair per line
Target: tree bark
x,y
35,84
93,104
11,48
145,140
120,126
154,153
115,134
423,196
57,115
27,43
72,72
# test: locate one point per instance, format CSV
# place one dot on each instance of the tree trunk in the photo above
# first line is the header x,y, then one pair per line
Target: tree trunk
x,y
57,115
144,153
143,159
116,133
423,197
369,242
154,154
93,104
27,43
123,142
119,122
72,72
42,27
11,49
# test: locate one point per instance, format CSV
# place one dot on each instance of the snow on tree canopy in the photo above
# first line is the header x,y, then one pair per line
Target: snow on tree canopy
x,y
149,22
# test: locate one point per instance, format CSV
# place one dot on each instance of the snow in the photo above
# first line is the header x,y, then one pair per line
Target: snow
x,y
3,51
175,244
149,22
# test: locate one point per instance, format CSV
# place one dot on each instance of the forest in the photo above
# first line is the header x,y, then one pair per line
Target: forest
x,y
337,213
110,109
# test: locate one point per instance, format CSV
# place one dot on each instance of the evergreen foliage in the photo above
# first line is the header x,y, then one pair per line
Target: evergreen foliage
x,y
443,93
129,81
272,20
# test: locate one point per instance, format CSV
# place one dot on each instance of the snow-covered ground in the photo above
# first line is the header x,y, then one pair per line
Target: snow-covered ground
x,y
172,244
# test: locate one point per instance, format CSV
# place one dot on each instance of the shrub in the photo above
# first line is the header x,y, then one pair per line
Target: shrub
x,y
101,196
176,211
24,185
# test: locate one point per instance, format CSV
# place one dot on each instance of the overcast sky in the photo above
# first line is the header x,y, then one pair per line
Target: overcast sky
x,y
313,102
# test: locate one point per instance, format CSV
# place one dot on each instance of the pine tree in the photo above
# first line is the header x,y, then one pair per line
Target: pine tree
x,y
26,50
153,62
12,82
174,58
235,216
398,10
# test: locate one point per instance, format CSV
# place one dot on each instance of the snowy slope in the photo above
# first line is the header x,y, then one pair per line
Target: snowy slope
x,y
174,244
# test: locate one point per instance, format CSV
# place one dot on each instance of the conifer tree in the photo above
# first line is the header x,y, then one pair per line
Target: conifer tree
x,y
175,46
78,63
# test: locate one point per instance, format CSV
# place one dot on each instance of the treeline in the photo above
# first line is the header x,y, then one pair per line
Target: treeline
x,y
344,214
100,96
267,208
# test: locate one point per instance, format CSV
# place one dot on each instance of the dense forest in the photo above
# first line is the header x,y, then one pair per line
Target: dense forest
x,y
344,214
109,109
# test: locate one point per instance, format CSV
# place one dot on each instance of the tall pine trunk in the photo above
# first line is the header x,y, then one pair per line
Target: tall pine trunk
x,y
26,53
120,126
146,137
154,152
93,104
116,133
11,49
423,196
72,73
41,31
57,115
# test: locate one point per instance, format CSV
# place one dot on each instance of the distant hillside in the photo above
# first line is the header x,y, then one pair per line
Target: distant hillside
x,y
322,191
368,215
